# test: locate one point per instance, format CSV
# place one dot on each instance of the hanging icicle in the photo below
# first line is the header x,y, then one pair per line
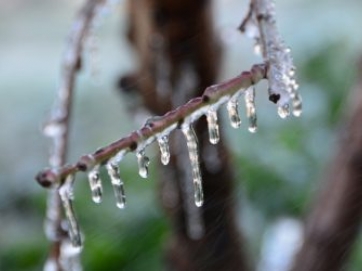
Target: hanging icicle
x,y
213,126
232,108
117,183
143,162
250,108
95,184
164,148
297,104
192,146
66,196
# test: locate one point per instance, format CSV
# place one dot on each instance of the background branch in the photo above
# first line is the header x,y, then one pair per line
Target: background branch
x,y
57,128
332,227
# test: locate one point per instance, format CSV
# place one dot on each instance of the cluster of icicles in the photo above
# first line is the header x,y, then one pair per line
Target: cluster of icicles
x,y
112,166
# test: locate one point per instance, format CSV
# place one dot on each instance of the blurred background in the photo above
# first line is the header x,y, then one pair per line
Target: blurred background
x,y
326,43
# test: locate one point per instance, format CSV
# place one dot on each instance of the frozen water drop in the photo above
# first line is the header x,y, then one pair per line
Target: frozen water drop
x,y
164,148
95,184
191,141
232,108
297,105
66,196
283,111
213,126
143,162
117,183
250,108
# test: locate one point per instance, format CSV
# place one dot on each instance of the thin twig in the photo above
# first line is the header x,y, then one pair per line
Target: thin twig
x,y
147,134
57,127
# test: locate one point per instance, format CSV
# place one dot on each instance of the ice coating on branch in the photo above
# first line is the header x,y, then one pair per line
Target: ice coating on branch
x,y
250,108
164,148
95,184
143,162
213,126
66,196
192,145
260,25
233,112
117,182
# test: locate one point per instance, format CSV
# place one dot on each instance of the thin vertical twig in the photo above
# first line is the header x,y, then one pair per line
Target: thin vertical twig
x,y
57,128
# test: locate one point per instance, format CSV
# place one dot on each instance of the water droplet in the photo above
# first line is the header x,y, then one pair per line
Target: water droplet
x,y
232,108
117,183
192,146
213,126
164,148
250,108
143,162
283,111
66,196
95,184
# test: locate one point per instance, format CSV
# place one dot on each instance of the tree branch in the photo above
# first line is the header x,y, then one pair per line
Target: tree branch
x,y
141,138
57,128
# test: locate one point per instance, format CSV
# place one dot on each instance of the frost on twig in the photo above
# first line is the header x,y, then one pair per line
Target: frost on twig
x,y
260,25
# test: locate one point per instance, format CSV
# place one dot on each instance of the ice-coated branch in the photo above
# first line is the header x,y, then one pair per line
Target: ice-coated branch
x,y
57,129
157,127
260,25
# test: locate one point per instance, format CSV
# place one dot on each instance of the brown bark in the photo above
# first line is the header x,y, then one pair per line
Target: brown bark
x,y
335,219
175,44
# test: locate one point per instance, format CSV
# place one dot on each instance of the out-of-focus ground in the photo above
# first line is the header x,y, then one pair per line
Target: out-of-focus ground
x,y
278,167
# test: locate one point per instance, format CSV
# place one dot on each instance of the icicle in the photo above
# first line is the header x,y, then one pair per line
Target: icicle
x,y
66,195
143,162
164,148
283,111
250,108
95,184
117,183
191,141
297,104
213,126
232,108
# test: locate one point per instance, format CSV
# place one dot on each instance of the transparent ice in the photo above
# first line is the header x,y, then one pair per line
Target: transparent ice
x,y
117,183
213,126
250,108
95,184
143,162
232,108
283,111
164,148
192,146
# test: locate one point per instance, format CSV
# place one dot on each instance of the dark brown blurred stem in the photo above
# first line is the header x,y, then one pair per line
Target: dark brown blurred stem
x,y
179,57
335,220
58,127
